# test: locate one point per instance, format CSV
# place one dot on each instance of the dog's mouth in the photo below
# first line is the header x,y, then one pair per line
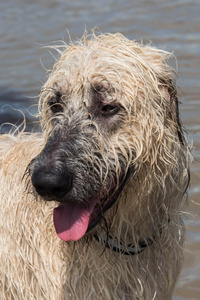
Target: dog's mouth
x,y
73,220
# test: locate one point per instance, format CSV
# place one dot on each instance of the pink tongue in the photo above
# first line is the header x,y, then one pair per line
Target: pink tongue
x,y
71,220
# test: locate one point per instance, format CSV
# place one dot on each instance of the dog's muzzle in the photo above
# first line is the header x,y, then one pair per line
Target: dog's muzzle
x,y
72,219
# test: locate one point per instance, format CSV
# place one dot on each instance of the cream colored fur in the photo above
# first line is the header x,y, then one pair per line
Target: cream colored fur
x,y
34,262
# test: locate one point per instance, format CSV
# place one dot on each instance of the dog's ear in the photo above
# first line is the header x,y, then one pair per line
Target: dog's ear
x,y
169,88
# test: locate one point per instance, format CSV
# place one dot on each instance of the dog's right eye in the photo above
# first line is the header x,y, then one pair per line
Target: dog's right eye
x,y
56,104
55,107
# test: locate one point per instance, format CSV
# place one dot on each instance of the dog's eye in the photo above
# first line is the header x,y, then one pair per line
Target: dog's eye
x,y
56,104
56,107
109,110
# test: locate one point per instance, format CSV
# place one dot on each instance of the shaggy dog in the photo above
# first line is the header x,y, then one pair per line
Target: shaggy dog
x,y
92,208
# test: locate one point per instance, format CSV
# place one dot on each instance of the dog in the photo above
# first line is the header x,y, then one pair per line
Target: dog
x,y
92,208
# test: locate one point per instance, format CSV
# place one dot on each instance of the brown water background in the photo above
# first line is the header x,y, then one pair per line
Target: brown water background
x,y
173,25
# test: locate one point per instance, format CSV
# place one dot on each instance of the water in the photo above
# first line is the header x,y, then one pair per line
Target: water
x,y
27,26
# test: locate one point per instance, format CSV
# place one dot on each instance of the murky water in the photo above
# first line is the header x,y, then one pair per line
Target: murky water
x,y
26,26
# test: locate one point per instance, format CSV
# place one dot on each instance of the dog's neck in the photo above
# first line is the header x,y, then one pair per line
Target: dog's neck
x,y
119,247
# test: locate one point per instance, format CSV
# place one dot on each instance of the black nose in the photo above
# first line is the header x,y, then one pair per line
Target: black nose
x,y
51,183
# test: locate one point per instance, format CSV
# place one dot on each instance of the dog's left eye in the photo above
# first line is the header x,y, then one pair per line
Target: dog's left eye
x,y
109,110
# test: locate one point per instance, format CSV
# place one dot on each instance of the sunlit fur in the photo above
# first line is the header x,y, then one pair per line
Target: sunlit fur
x,y
144,140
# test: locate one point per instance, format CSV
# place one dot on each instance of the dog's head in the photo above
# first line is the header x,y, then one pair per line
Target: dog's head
x,y
110,117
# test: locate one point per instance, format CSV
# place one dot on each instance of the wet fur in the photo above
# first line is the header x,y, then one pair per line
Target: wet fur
x,y
141,142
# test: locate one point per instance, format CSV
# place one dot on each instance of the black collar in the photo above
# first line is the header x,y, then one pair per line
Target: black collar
x,y
118,247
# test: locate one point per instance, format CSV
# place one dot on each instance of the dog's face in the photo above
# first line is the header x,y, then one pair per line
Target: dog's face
x,y
107,107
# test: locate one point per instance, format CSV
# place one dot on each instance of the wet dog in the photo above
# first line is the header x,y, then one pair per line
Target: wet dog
x,y
92,208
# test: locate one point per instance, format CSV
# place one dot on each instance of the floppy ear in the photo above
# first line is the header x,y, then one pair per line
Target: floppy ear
x,y
173,105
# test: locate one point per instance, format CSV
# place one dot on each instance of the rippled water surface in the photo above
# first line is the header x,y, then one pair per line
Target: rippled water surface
x,y
27,26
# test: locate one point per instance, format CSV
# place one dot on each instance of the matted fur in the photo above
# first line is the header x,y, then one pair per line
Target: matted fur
x,y
109,107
